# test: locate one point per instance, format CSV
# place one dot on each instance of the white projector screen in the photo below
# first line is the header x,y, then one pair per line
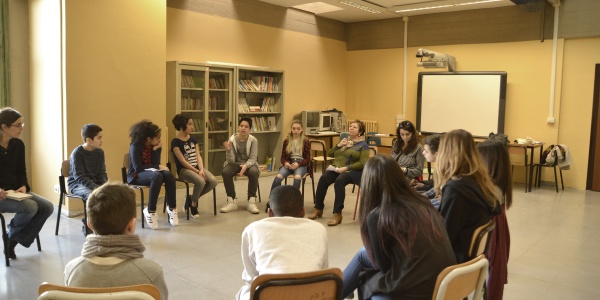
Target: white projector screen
x,y
473,101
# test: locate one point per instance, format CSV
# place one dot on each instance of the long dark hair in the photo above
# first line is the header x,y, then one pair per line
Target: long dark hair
x,y
143,130
8,115
496,157
403,213
414,138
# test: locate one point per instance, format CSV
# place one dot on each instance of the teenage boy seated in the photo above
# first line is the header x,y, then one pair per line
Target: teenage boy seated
x,y
87,169
285,242
113,255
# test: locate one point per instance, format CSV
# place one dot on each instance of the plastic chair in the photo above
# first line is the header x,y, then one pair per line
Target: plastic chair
x,y
64,173
137,187
171,161
538,172
372,152
459,281
48,291
373,140
480,241
327,284
5,240
317,146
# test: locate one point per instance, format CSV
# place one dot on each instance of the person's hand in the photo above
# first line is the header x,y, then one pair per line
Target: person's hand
x,y
343,142
3,194
341,170
22,189
227,145
157,146
413,182
294,166
201,173
287,165
163,168
243,170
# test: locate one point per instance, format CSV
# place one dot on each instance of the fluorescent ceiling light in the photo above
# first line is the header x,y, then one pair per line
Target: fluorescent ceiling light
x,y
453,3
317,7
359,6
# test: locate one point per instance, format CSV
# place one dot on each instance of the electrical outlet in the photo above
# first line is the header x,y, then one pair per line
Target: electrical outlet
x,y
57,188
550,120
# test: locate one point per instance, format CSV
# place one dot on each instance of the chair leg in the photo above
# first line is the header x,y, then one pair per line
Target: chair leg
x,y
215,201
259,198
561,179
555,179
142,217
356,205
37,238
5,240
60,202
312,180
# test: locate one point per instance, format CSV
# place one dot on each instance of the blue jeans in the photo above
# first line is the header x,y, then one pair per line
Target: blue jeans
x,y
31,214
81,190
285,172
155,180
359,262
201,186
340,181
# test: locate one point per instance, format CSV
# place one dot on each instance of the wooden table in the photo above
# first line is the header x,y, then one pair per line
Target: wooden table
x,y
328,136
531,147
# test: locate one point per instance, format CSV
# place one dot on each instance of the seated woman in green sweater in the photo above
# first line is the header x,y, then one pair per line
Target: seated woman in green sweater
x,y
350,156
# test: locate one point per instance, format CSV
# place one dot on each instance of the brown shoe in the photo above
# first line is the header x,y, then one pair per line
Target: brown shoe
x,y
336,219
317,213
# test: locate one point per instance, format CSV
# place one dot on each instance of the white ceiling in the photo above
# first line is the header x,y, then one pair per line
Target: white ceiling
x,y
349,13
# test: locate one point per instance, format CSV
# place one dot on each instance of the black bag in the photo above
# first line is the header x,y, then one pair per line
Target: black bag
x,y
499,137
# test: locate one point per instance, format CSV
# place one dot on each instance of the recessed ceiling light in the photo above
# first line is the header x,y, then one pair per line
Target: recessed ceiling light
x,y
454,3
359,6
317,7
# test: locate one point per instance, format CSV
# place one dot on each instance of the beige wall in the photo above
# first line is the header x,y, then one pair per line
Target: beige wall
x,y
375,90
314,67
112,73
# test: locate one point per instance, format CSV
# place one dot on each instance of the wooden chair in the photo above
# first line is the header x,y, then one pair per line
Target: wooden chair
x,y
317,146
372,152
48,291
327,284
459,281
137,187
5,240
538,172
188,197
480,241
310,174
518,157
64,193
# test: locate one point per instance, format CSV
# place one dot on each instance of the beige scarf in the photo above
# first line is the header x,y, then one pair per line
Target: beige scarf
x,y
120,246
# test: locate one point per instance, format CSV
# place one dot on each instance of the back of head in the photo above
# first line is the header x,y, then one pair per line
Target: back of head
x,y
180,121
90,131
143,130
496,158
286,201
110,208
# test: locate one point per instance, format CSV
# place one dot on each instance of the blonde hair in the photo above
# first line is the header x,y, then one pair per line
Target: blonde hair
x,y
457,158
289,148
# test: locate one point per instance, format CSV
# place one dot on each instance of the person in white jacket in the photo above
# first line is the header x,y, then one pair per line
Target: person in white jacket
x,y
285,242
241,156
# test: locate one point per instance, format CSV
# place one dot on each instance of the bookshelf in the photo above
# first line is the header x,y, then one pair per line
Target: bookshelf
x,y
260,97
205,93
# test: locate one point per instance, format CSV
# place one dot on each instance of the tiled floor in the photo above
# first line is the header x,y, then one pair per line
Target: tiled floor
x,y
554,255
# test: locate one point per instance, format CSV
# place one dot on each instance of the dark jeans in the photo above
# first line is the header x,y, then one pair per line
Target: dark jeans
x,y
231,170
155,180
30,216
359,262
340,181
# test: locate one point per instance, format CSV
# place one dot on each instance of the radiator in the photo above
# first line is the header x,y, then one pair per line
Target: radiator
x,y
370,126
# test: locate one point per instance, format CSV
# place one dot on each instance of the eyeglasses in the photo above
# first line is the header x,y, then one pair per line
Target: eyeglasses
x,y
18,125
405,124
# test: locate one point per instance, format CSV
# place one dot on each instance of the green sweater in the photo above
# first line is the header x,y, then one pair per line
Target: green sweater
x,y
354,157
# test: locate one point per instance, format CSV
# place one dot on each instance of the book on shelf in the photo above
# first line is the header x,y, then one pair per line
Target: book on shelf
x,y
265,83
264,124
190,81
188,103
254,108
268,104
243,105
216,83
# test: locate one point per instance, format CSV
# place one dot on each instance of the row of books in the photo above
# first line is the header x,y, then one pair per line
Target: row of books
x,y
268,104
189,81
216,83
217,123
197,124
188,103
259,84
264,124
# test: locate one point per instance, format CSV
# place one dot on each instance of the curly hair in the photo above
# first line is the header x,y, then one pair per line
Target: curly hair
x,y
143,130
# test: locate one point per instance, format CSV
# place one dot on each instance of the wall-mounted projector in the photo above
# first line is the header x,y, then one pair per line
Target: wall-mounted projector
x,y
436,60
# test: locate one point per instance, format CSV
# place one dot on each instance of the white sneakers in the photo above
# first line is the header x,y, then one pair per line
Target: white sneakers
x,y
251,207
230,205
150,219
173,218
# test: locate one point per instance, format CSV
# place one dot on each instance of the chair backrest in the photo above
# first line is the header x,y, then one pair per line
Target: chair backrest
x,y
480,239
171,161
372,151
518,155
459,281
140,291
344,135
325,283
373,140
317,145
64,173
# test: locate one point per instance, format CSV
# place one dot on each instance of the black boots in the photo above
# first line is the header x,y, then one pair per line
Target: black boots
x,y
10,247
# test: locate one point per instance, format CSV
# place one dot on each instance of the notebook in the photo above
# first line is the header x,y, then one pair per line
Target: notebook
x,y
17,195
